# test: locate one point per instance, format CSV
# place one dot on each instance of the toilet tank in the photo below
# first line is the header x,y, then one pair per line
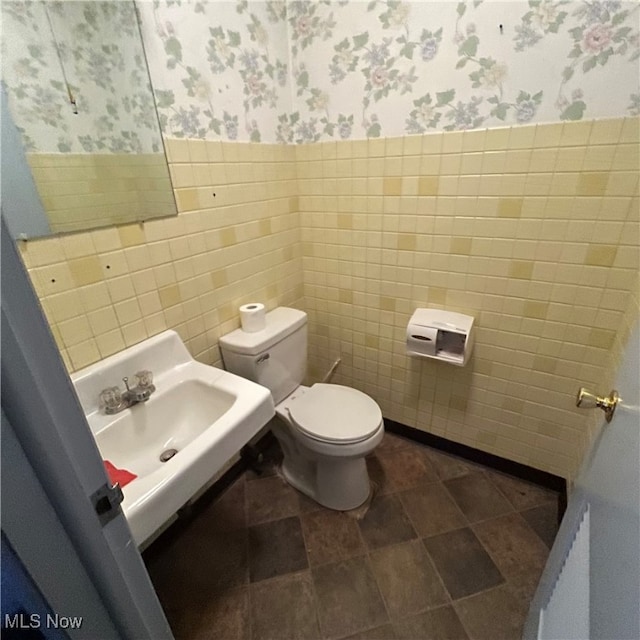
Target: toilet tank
x,y
275,357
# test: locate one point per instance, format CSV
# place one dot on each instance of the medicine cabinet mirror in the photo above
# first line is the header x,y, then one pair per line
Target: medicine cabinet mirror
x,y
82,146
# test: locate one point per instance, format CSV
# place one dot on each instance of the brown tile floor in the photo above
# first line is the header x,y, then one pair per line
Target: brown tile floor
x,y
447,550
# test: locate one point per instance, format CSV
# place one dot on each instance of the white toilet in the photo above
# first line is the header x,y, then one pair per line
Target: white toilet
x,y
326,430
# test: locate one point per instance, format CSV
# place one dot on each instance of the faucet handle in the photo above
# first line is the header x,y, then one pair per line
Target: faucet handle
x,y
144,378
110,399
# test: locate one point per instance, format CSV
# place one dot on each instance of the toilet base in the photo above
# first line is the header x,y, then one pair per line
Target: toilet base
x,y
334,476
339,484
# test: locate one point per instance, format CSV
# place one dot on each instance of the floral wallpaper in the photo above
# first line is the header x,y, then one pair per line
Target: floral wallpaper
x,y
88,51
219,69
302,71
366,69
296,71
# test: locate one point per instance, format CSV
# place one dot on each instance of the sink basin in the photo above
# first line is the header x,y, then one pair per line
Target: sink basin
x,y
136,438
197,419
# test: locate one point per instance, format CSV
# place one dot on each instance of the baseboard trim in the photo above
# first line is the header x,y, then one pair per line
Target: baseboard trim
x,y
510,467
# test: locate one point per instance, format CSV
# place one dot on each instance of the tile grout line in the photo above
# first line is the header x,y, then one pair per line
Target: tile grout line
x,y
316,602
519,511
468,525
419,540
248,552
453,502
365,555
382,598
515,510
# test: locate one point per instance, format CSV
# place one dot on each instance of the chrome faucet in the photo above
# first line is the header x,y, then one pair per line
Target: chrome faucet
x,y
113,400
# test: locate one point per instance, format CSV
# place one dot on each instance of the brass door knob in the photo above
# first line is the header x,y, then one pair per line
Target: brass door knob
x,y
588,400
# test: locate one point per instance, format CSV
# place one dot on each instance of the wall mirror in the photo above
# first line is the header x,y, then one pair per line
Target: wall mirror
x,y
80,130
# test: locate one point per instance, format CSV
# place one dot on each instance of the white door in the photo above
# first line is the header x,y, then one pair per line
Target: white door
x,y
590,587
51,441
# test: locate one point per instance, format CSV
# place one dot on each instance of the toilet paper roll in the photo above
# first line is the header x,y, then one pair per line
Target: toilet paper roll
x,y
252,317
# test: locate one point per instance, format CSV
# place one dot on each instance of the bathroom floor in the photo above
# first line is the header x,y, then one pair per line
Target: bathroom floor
x,y
447,550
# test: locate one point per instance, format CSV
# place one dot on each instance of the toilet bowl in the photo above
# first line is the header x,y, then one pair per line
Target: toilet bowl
x,y
325,433
325,430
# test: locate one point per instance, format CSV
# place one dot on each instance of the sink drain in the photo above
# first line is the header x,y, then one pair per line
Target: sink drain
x,y
167,455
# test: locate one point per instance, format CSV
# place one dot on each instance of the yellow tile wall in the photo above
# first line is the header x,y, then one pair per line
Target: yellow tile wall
x,y
533,230
86,190
235,240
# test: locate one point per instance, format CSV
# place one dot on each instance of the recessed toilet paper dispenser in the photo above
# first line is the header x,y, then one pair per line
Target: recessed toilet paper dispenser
x,y
441,335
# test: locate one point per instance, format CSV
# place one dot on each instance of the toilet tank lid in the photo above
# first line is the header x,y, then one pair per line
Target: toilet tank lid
x,y
280,323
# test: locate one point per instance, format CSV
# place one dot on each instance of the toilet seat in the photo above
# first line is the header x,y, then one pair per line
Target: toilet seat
x,y
336,414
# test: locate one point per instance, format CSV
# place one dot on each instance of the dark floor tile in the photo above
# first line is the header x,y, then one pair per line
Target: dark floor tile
x,y
378,475
226,513
385,632
284,608
276,548
348,598
513,545
406,468
477,497
270,499
407,579
386,523
202,573
544,521
523,587
189,606
307,504
463,564
184,618
522,494
226,615
431,509
392,442
198,563
493,615
330,536
448,466
437,624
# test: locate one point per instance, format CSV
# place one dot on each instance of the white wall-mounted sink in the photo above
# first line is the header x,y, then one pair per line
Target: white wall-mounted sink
x,y
205,413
